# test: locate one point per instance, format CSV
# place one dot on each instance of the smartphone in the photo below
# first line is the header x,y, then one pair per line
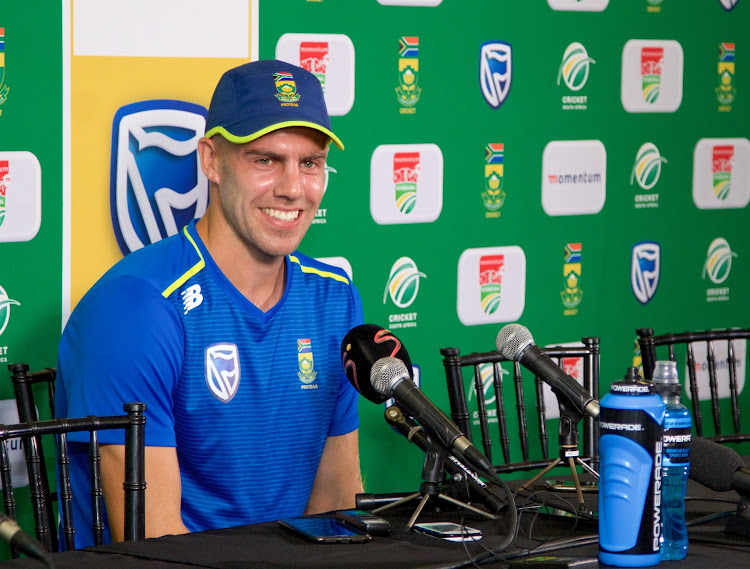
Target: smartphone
x,y
324,530
364,521
449,531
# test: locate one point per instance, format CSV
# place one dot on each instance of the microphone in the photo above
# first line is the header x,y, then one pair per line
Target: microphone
x,y
364,345
718,467
390,378
11,532
514,342
460,473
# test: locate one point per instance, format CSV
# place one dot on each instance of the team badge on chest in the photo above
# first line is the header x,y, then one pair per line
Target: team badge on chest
x,y
306,372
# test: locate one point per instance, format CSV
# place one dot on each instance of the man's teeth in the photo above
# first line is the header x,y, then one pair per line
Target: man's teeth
x,y
282,215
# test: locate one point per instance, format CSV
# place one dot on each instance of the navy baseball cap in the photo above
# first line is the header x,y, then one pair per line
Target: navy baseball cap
x,y
262,96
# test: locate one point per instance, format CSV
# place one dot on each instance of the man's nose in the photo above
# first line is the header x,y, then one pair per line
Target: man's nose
x,y
290,184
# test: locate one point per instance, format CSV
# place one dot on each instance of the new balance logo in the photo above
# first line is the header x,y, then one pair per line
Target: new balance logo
x,y
191,297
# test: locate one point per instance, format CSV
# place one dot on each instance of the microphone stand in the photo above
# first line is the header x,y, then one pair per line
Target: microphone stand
x,y
432,476
569,453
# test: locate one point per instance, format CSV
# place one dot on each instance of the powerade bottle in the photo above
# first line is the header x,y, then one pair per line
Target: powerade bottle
x,y
675,463
630,448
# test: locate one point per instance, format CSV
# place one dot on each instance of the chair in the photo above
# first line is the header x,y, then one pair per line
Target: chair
x,y
690,344
134,481
478,363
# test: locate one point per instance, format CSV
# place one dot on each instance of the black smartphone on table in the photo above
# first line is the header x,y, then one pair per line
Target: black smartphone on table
x,y
324,530
364,521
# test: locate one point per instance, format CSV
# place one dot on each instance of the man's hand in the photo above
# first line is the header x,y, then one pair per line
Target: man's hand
x,y
339,477
163,491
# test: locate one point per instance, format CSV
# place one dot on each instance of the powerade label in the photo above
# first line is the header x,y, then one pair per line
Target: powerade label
x,y
677,441
631,451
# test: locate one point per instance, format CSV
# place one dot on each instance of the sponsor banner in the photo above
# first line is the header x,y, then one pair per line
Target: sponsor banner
x,y
721,173
578,5
721,353
330,57
20,196
574,177
652,73
491,285
406,183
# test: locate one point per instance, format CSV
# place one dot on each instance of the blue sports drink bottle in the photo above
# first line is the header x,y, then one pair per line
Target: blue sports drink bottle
x,y
630,447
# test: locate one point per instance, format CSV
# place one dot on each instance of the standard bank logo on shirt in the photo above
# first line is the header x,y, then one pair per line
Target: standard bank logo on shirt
x,y
222,370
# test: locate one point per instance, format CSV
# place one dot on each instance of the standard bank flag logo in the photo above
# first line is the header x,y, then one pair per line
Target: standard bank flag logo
x,y
495,71
222,371
156,183
721,173
652,74
645,268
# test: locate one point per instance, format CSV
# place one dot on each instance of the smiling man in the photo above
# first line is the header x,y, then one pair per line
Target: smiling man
x,y
229,335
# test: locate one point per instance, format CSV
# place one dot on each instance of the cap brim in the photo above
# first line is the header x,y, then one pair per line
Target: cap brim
x,y
270,128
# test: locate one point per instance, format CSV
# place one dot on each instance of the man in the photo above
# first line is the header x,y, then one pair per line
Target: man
x,y
230,337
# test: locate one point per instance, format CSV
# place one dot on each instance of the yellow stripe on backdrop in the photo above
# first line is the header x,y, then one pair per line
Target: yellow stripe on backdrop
x,y
100,85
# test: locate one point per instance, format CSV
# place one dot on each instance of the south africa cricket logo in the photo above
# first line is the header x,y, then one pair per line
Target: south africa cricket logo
x,y
3,87
572,293
306,372
408,90
491,270
493,195
286,89
726,91
652,61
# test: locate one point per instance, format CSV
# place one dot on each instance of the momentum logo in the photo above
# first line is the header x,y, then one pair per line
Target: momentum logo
x,y
574,177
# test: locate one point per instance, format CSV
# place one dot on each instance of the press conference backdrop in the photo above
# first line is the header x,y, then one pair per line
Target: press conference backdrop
x,y
579,166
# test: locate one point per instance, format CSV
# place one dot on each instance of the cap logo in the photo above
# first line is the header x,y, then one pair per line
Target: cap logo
x,y
286,89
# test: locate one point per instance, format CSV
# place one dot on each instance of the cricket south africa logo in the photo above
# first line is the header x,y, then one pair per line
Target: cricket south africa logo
x,y
493,195
495,72
645,268
313,56
723,161
3,87
652,60
306,372
403,282
491,269
286,89
222,371
5,303
645,173
408,90
726,91
156,183
574,72
718,261
572,294
406,169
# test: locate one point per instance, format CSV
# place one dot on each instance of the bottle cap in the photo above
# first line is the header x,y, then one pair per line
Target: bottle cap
x,y
665,378
632,384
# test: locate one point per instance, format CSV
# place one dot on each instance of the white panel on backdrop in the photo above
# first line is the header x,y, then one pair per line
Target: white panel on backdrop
x,y
406,183
339,262
721,173
331,58
578,5
20,196
652,73
574,177
427,3
16,455
721,353
573,367
491,285
162,28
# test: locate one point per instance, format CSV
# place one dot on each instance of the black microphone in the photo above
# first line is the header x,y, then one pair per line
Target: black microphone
x,y
514,342
11,532
390,378
718,467
364,345
459,472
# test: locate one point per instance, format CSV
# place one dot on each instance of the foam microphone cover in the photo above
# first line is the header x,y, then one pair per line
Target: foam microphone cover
x,y
713,465
364,345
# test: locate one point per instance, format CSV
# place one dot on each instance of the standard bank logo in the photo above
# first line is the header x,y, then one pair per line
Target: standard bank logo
x,y
156,183
222,371
645,268
495,71
406,183
721,173
652,73
403,282
718,261
491,285
5,303
574,177
330,57
728,5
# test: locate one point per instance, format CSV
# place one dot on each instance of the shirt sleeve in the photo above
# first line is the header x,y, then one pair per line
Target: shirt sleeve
x,y
122,344
346,418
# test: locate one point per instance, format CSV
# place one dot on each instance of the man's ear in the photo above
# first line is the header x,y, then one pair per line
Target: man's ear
x,y
208,154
